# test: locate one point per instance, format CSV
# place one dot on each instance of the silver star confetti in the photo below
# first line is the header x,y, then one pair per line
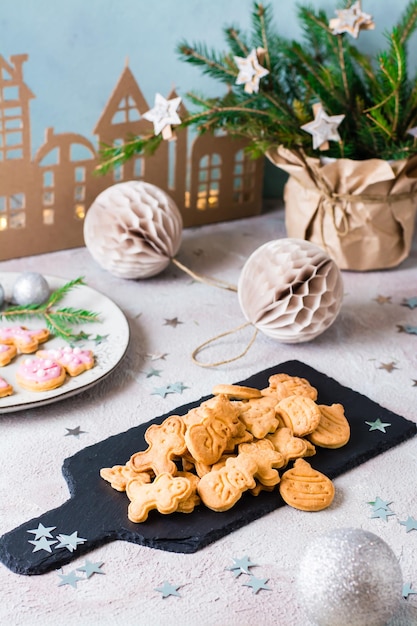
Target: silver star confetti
x,y
257,584
410,302
378,425
42,544
42,531
323,128
250,72
69,579
163,114
70,541
177,387
173,322
241,566
153,372
407,590
91,568
75,432
168,590
410,524
162,391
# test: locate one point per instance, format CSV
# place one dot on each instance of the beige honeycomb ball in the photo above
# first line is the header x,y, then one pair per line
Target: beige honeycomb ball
x,y
291,290
133,229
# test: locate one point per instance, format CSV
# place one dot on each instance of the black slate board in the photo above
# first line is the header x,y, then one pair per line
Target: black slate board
x,y
99,513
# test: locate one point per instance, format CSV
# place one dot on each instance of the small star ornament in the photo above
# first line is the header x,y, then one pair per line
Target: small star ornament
x,y
250,71
323,128
163,115
351,21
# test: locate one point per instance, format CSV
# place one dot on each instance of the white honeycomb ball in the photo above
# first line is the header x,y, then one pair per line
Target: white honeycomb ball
x,y
133,229
291,290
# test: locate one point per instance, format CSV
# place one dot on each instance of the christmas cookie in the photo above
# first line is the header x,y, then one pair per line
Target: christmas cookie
x,y
7,353
5,388
40,374
304,488
24,339
73,360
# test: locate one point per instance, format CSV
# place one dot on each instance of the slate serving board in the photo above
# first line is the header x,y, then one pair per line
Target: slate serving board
x,y
99,513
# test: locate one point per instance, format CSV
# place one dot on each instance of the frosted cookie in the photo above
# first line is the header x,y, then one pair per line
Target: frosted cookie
x,y
7,353
73,360
5,388
40,374
25,340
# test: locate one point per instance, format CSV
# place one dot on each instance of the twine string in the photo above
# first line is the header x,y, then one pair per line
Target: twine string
x,y
214,282
225,334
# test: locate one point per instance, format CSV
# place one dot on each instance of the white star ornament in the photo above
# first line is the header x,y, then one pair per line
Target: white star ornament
x,y
323,128
250,72
163,114
351,20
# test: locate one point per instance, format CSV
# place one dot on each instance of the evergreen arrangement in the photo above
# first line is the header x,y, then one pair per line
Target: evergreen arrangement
x,y
58,321
376,95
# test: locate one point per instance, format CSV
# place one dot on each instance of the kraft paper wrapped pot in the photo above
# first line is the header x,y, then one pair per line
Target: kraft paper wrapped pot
x,y
362,213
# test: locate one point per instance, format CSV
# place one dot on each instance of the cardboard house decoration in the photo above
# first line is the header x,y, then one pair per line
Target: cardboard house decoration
x,y
44,198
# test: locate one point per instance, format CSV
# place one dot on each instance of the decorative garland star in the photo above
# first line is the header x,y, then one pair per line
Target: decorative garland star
x,y
168,590
323,128
351,21
163,114
378,425
250,72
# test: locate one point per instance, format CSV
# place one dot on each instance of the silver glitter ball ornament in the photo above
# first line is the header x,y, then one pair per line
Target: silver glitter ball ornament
x,y
1,296
30,288
349,577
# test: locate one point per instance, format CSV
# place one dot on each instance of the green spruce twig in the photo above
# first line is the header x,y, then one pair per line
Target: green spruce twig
x,y
58,321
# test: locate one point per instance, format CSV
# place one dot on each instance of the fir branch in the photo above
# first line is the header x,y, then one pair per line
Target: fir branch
x,y
58,321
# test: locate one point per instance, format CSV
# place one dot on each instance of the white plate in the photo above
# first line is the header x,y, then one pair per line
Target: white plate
x,y
113,328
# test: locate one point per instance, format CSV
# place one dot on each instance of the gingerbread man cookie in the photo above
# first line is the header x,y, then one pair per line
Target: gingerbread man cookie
x,y
164,494
166,442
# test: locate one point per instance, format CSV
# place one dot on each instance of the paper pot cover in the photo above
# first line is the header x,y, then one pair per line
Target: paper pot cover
x,y
291,290
133,229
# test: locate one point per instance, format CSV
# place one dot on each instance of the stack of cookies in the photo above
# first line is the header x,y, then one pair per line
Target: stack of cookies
x,y
242,439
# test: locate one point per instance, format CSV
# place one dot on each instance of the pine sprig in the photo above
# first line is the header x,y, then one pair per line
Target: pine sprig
x,y
58,321
375,93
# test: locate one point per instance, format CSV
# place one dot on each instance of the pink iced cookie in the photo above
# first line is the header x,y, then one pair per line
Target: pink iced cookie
x,y
24,339
7,353
74,360
5,388
40,374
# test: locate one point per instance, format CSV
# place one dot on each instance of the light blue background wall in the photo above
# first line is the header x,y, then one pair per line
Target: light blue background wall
x,y
77,48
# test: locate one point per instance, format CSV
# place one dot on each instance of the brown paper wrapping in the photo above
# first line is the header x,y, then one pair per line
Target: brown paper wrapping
x,y
361,212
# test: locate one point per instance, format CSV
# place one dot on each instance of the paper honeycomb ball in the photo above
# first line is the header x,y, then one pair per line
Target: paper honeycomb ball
x,y
349,576
133,229
291,290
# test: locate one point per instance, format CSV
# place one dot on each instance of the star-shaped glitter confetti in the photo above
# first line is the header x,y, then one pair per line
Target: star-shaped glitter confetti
x,y
323,128
383,299
410,302
378,425
173,322
407,590
351,21
42,544
250,72
382,514
70,541
162,391
388,367
378,503
91,568
241,566
177,387
42,531
410,524
257,584
69,579
156,357
406,328
153,372
163,115
75,432
168,590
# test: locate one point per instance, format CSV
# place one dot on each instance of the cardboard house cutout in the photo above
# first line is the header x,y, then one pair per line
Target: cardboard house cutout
x,y
44,199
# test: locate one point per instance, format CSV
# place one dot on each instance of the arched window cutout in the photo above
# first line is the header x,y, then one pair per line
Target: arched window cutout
x,y
78,152
51,158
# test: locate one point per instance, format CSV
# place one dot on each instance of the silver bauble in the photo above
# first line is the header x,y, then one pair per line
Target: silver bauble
x,y
291,290
30,288
1,296
349,577
133,229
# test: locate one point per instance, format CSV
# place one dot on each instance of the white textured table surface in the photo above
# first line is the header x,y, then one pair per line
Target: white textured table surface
x,y
355,351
